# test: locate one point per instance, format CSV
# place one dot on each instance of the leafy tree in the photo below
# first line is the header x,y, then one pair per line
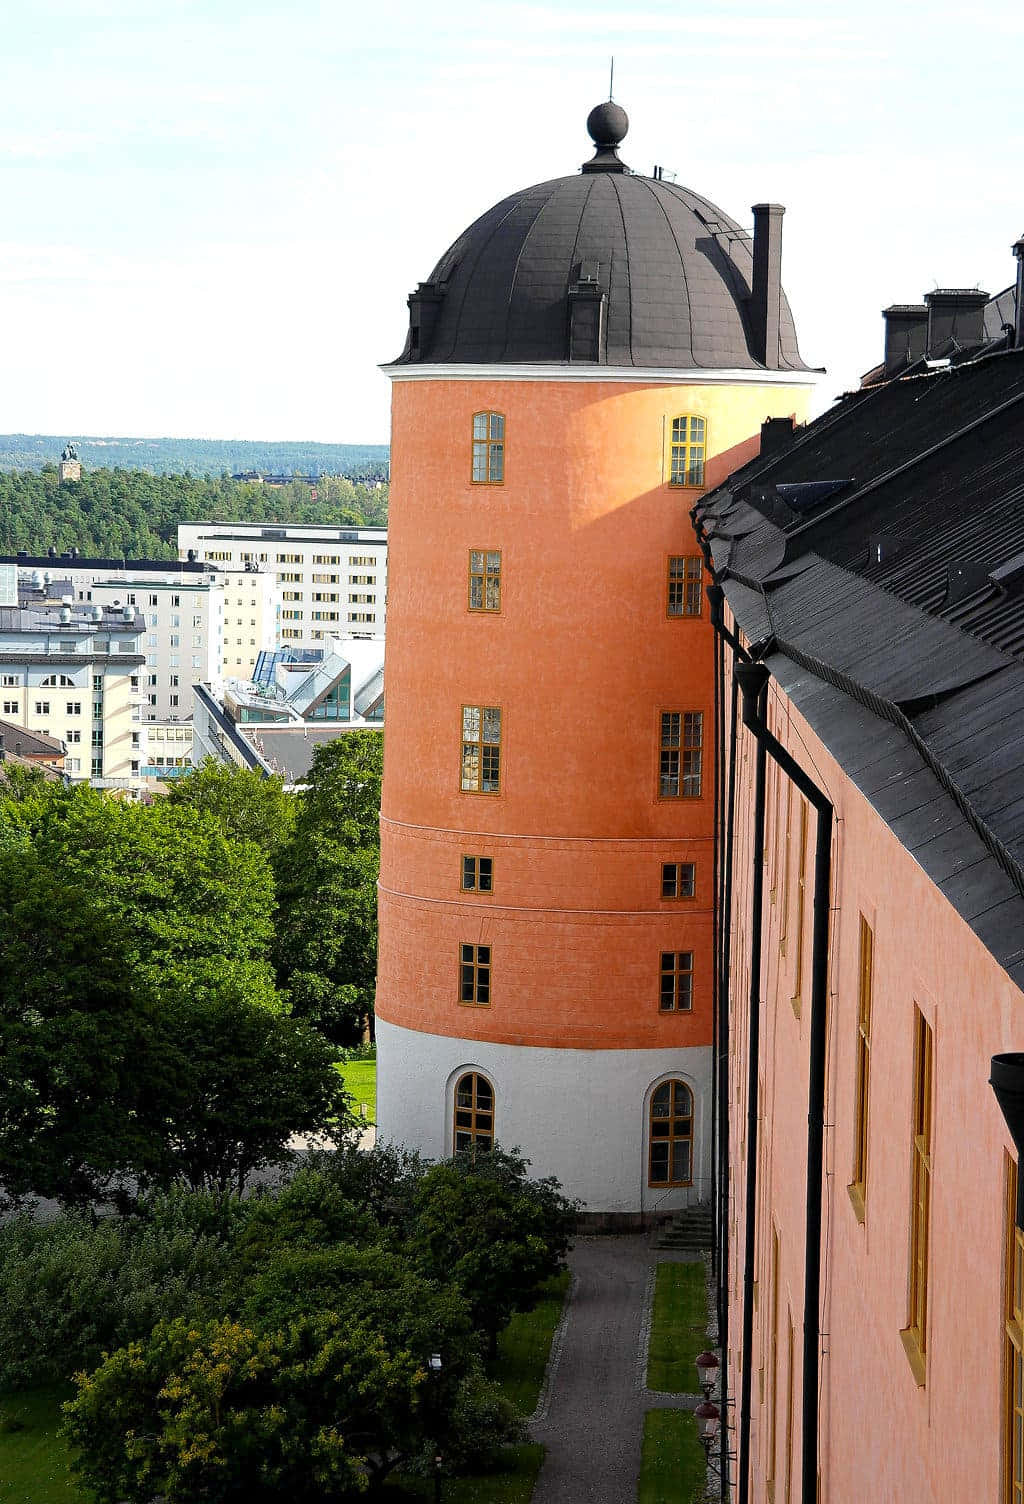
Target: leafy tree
x,y
246,805
483,1224
224,1411
327,932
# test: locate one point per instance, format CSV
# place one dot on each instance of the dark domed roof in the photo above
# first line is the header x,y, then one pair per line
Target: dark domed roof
x,y
605,267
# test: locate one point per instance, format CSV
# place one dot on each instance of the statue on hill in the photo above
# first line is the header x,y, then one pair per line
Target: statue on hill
x,y
70,467
70,450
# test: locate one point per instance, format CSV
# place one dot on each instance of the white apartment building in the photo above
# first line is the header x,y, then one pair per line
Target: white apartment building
x,y
331,580
73,672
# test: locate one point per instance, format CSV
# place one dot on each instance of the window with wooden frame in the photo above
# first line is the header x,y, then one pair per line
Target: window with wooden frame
x,y
676,981
670,1152
477,874
484,579
801,895
858,1187
685,574
488,449
1013,1353
473,1127
678,879
475,975
686,452
680,754
773,1366
915,1333
481,749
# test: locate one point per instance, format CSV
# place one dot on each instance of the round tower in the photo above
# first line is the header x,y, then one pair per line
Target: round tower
x,y
587,358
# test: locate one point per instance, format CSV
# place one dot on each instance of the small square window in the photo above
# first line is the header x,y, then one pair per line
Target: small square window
x,y
477,874
678,879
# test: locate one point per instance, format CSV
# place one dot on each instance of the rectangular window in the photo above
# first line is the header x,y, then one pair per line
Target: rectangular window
x,y
801,893
488,449
74,707
356,559
10,707
475,975
684,582
678,879
477,874
676,981
481,749
289,558
10,681
689,436
681,754
289,579
858,1186
1013,1353
358,616
361,579
484,579
915,1333
42,707
96,768
291,595
325,579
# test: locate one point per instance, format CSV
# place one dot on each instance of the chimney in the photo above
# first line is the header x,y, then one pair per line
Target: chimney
x,y
777,434
587,308
766,288
424,306
956,313
906,335
1018,312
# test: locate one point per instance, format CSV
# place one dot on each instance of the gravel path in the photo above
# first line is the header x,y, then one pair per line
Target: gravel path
x,y
590,1417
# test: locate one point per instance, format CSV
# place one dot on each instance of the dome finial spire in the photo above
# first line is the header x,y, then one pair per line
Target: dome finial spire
x,y
607,124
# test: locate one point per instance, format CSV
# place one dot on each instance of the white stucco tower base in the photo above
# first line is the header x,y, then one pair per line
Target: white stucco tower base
x,y
580,1115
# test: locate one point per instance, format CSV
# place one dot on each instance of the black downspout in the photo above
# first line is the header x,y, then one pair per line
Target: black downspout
x,y
754,1028
716,597
753,678
716,949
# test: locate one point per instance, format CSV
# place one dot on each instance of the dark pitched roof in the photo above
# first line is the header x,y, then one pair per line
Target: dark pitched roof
x,y
892,616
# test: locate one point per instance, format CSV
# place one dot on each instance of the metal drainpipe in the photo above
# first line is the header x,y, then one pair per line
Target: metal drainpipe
x,y
753,679
716,597
754,1029
716,950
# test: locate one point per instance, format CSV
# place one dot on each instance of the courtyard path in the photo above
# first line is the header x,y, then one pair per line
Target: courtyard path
x,y
590,1416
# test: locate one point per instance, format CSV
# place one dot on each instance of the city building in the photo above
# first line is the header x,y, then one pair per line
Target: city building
x,y
184,606
71,672
31,749
297,699
871,967
330,580
584,360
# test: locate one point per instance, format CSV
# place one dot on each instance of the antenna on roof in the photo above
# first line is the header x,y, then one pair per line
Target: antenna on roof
x,y
611,80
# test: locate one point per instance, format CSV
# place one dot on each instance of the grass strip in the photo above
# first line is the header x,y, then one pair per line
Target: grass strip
x,y
513,1485
34,1461
672,1466
678,1328
525,1344
360,1078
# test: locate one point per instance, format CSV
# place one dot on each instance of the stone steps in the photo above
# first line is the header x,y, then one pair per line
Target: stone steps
x,y
690,1231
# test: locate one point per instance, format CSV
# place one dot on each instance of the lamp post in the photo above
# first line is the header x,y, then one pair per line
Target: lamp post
x,y
435,1376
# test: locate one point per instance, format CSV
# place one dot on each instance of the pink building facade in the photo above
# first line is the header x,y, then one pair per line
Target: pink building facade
x,y
896,687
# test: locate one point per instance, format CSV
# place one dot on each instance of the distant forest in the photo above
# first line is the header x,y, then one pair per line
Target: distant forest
x,y
31,451
134,514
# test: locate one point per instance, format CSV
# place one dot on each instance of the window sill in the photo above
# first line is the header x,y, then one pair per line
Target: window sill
x,y
855,1191
911,1338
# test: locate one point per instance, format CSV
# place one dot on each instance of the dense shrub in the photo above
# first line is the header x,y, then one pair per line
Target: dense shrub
x,y
71,1290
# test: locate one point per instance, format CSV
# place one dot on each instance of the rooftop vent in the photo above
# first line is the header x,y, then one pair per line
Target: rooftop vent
x,y
805,495
964,580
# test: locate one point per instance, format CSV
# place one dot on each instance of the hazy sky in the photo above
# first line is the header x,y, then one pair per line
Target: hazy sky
x,y
211,213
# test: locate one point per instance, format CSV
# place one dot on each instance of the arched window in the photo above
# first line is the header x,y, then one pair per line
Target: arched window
x,y
56,681
488,449
686,457
474,1113
671,1135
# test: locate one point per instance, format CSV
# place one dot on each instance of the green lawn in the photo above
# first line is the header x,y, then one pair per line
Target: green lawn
x,y
524,1345
514,1486
678,1329
672,1466
33,1459
360,1078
